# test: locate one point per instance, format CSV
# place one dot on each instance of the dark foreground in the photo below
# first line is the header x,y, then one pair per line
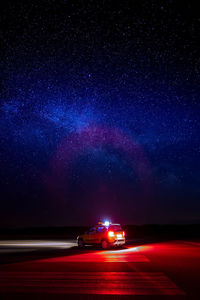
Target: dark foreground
x,y
54,270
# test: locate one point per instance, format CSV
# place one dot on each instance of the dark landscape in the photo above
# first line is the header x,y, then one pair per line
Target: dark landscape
x,y
99,122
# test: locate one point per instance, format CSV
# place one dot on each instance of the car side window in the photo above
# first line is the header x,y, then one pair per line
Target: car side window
x,y
92,230
101,229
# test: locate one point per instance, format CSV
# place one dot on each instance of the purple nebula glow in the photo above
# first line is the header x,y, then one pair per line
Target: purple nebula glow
x,y
92,137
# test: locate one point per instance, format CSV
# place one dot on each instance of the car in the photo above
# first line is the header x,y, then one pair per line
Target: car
x,y
104,234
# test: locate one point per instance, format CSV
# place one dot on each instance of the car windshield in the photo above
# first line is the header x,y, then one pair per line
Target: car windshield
x,y
115,228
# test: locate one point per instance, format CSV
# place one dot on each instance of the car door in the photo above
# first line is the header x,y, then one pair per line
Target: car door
x,y
101,233
91,236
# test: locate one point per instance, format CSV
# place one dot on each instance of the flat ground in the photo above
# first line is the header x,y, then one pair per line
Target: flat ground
x,y
58,270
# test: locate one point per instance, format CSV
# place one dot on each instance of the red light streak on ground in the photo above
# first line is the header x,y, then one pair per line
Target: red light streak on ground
x,y
125,255
173,250
168,268
107,283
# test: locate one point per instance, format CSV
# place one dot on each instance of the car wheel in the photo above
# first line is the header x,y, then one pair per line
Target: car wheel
x,y
80,243
104,244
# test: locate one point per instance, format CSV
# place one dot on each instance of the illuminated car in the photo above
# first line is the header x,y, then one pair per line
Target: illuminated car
x,y
103,234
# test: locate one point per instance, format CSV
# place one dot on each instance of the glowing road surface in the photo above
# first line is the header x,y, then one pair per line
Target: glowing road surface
x,y
158,270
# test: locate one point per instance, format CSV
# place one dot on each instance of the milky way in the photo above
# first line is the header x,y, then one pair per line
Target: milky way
x,y
133,68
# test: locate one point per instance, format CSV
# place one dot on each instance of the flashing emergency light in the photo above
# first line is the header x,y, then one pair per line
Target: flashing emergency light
x,y
106,223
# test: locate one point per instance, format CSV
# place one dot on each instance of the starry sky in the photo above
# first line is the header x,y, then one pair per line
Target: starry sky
x,y
99,112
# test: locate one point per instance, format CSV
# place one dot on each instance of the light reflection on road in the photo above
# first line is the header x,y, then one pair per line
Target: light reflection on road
x,y
119,255
19,245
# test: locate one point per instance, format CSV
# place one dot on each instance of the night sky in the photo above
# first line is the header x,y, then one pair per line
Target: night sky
x,y
99,112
